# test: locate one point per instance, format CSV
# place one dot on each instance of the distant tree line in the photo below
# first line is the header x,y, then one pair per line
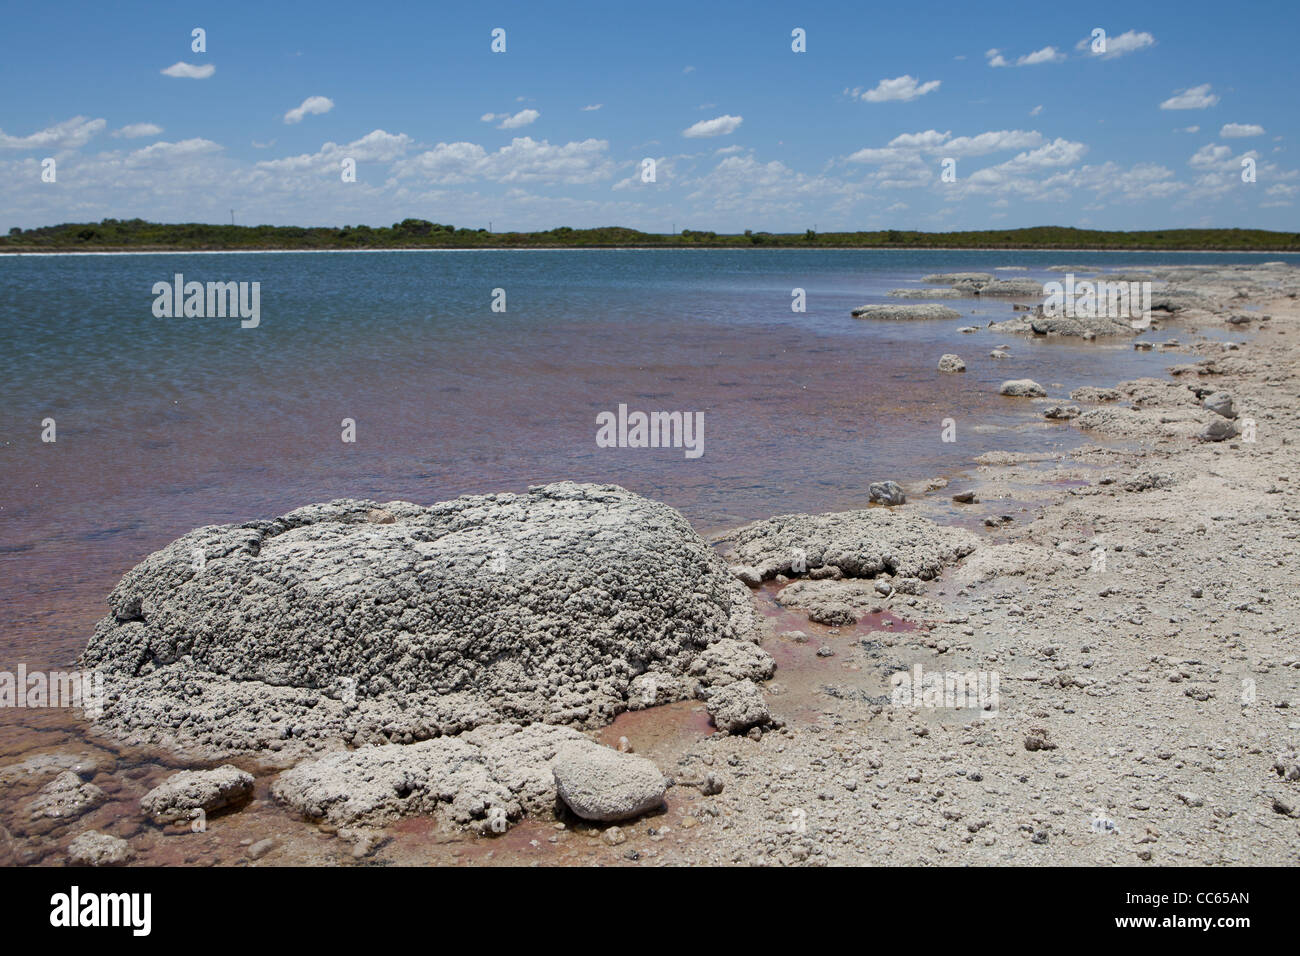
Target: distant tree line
x,y
113,234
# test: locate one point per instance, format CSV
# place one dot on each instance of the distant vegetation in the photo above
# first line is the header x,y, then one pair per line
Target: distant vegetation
x,y
136,234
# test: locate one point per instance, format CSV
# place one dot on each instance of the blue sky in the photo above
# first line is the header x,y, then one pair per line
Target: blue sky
x,y
745,133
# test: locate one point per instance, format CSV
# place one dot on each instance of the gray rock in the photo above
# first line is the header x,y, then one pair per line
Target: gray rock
x,y
1062,412
747,576
738,707
886,493
1220,429
598,783
483,778
951,363
925,293
1071,326
861,543
959,278
177,797
66,797
93,848
324,625
998,354
965,497
1012,288
1022,388
1221,404
729,661
1088,393
905,312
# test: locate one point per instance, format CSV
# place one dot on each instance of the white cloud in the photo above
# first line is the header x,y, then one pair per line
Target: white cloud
x,y
1188,129
189,71
718,126
902,88
315,105
593,106
1048,54
1211,156
1036,110
1128,42
1237,130
689,69
70,134
1196,98
137,130
376,146
524,160
908,147
522,118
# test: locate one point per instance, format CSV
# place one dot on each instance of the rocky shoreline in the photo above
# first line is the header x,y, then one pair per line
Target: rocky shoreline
x,y
1133,599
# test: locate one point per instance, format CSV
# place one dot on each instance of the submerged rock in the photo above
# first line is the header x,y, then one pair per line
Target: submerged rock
x,y
93,848
327,624
1022,388
66,797
905,312
925,293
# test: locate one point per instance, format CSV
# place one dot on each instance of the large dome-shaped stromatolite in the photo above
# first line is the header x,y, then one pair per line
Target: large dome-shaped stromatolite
x,y
356,622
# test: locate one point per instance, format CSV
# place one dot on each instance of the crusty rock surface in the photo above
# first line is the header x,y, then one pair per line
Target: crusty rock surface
x,y
861,543
93,848
485,777
886,493
905,312
181,794
601,784
66,797
1066,325
925,293
738,707
951,363
1022,388
331,624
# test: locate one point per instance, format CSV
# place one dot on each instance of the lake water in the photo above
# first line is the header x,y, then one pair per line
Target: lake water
x,y
167,424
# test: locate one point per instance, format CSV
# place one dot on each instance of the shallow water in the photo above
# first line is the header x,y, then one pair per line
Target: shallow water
x,y
168,424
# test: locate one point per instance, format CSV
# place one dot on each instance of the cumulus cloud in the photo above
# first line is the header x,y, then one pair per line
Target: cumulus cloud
x,y
137,130
511,120
1196,98
524,160
1237,130
314,105
909,146
376,146
188,71
902,88
70,134
718,126
1128,42
1048,54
